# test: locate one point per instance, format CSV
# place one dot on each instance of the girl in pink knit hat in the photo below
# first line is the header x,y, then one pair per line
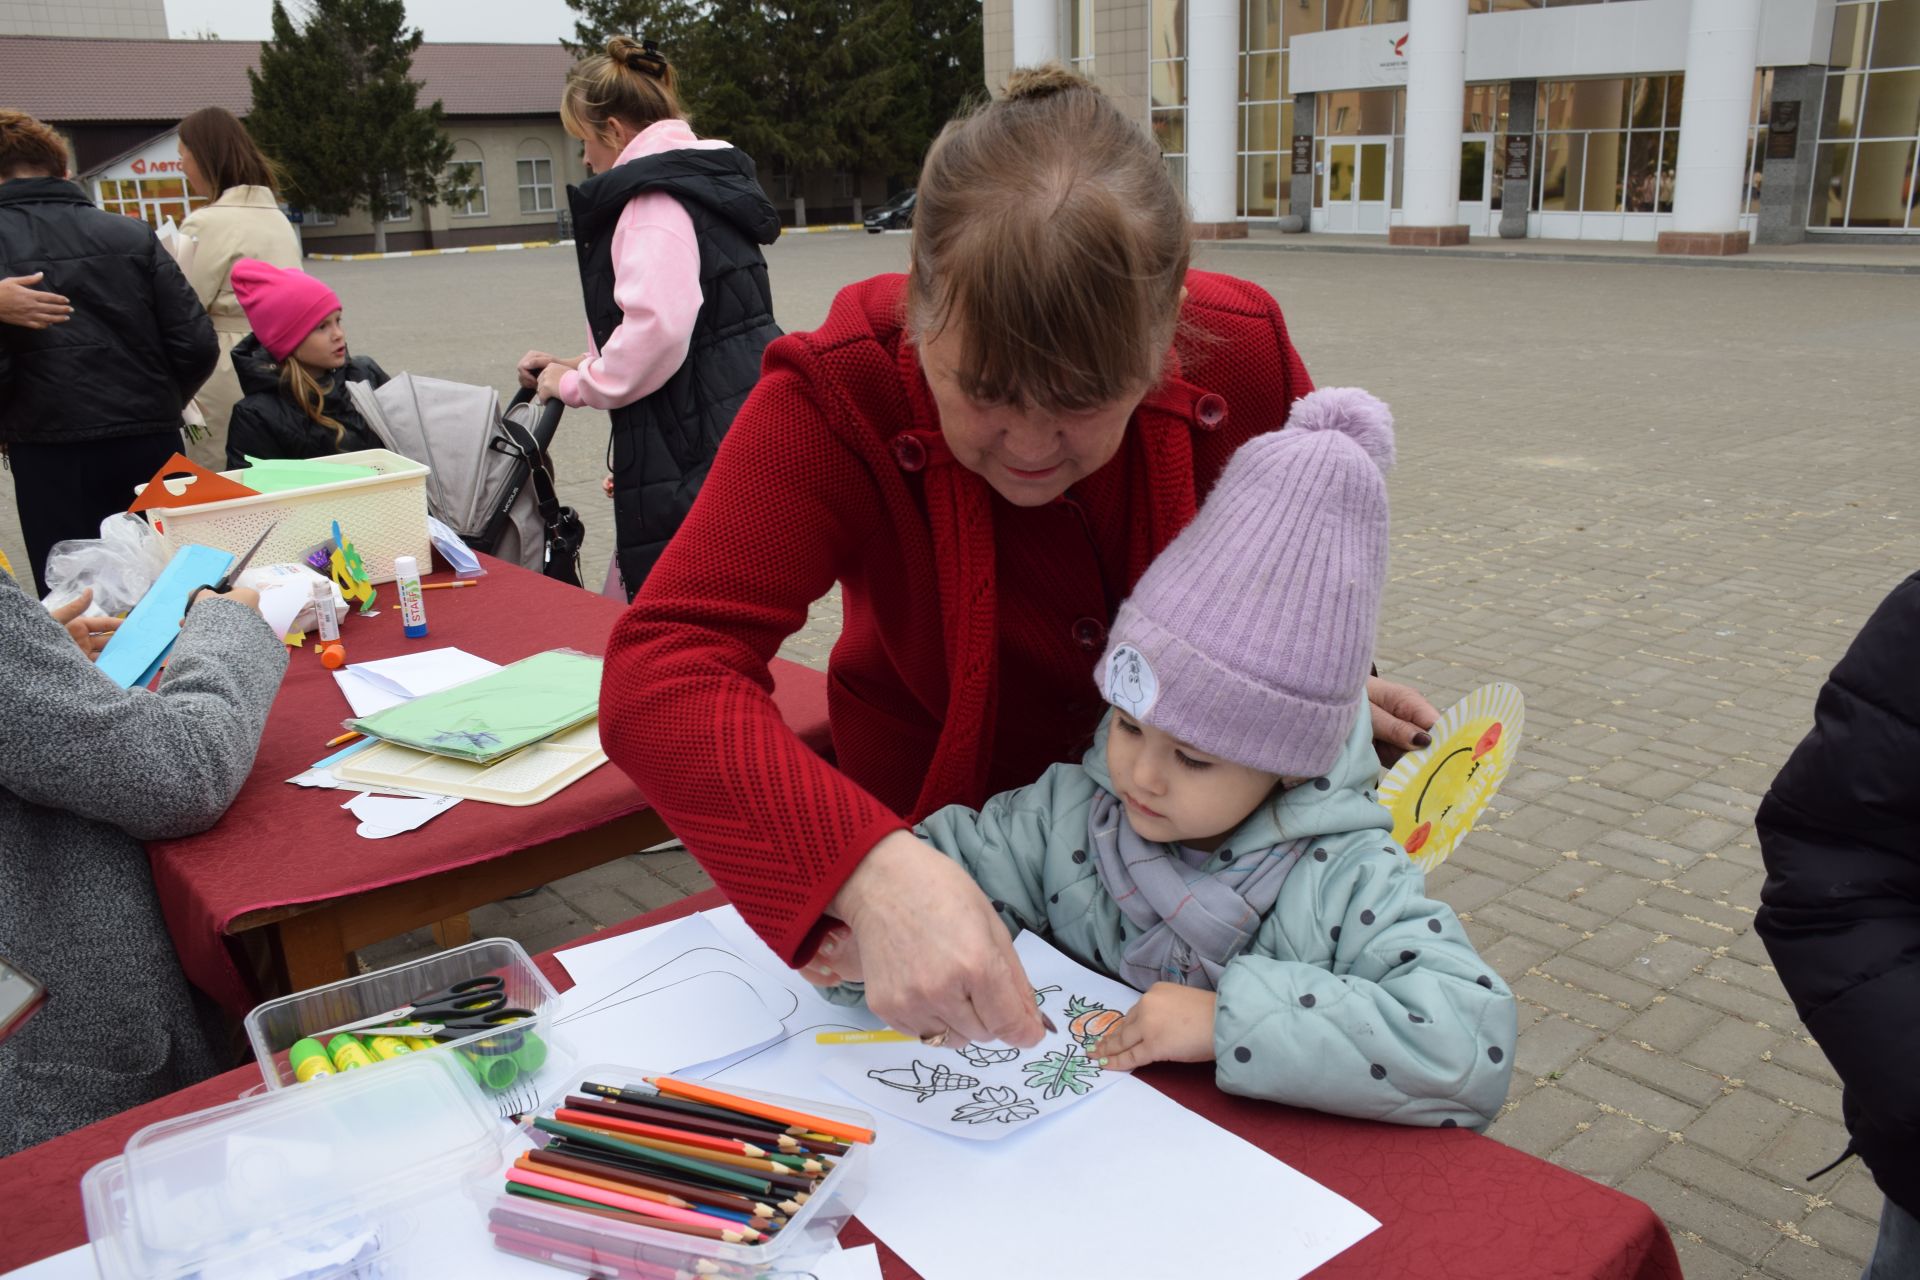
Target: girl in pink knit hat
x,y
1221,847
294,370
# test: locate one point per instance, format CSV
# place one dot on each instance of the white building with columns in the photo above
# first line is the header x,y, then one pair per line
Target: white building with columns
x,y
1702,124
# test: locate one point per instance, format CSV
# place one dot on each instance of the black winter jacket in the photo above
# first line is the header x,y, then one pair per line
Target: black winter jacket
x,y
1840,911
267,423
139,343
663,443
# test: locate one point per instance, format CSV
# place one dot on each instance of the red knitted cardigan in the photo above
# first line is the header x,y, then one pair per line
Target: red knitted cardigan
x,y
964,664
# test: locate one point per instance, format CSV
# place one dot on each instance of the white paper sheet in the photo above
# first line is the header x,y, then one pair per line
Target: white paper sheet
x,y
986,1092
678,1020
74,1264
383,816
374,686
862,1263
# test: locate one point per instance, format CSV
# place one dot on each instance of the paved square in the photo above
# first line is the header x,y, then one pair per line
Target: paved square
x,y
1661,499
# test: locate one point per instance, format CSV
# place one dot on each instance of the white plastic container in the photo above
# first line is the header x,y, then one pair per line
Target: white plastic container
x,y
383,516
601,1245
273,1027
334,1182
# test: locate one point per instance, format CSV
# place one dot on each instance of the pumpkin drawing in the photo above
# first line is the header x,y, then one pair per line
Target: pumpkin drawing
x,y
1090,1021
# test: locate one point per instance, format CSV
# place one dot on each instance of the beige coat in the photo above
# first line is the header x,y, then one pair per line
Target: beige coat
x,y
245,222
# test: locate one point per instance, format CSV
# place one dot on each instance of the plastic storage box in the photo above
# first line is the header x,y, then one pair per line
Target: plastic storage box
x,y
364,1175
383,516
273,1027
586,1243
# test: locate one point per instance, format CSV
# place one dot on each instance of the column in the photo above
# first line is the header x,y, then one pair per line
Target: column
x,y
1300,191
1710,178
1786,182
1516,189
1436,97
1213,124
1036,32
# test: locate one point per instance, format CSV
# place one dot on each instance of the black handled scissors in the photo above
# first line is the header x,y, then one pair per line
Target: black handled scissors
x,y
471,1000
232,575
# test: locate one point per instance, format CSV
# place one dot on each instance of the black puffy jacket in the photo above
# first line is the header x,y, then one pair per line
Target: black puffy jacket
x,y
267,423
663,443
1840,911
139,343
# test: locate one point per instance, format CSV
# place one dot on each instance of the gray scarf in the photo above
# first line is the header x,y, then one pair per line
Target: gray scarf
x,y
1194,921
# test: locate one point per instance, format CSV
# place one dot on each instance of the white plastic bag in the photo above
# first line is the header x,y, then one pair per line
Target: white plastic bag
x,y
119,565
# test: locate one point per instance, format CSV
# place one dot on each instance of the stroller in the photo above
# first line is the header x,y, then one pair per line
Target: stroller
x,y
481,460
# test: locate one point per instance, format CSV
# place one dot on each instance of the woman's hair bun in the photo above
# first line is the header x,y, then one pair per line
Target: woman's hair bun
x,y
1044,81
637,55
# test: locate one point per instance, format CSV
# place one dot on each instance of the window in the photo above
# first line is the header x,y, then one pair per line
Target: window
x,y
1167,77
1869,122
317,219
399,203
152,200
1266,110
466,156
1079,33
535,176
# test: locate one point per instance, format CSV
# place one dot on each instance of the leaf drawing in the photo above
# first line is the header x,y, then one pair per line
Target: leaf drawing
x,y
996,1103
1040,996
1090,1020
981,1056
922,1080
1061,1071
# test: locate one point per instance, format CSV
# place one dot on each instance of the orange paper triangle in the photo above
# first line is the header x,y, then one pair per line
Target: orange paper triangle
x,y
182,482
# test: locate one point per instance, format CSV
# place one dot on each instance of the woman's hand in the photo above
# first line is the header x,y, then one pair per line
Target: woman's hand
x,y
1171,1023
1401,718
547,385
930,948
91,634
530,366
30,308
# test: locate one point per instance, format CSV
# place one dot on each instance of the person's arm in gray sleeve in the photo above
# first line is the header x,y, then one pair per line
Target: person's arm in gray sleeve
x,y
1389,1014
155,764
186,332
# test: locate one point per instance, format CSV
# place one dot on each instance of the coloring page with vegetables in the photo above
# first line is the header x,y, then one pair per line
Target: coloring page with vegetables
x,y
985,1092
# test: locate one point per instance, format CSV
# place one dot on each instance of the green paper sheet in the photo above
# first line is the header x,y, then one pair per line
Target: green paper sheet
x,y
490,718
277,475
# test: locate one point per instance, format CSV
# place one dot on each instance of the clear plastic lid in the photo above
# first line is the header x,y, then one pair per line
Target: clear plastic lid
x,y
305,1173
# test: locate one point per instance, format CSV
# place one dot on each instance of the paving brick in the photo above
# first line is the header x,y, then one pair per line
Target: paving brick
x,y
1659,1071
1610,1149
1551,1045
1670,1023
1806,1143
1738,1233
1842,1233
1665,964
1852,1187
1614,946
1796,1054
1630,1097
1705,1171
1543,1119
1591,1009
1740,1126
1795,1260
1600,982
1701,1261
1814,1095
1732,1047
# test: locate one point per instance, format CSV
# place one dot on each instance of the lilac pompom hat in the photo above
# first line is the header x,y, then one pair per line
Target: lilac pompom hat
x,y
1251,636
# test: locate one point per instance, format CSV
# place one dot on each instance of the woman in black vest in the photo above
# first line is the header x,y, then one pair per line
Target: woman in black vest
x,y
678,305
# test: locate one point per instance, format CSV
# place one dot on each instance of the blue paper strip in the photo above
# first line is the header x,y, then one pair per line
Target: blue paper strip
x,y
150,630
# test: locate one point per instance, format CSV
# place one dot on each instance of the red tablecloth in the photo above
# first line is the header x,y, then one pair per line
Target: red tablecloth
x,y
1452,1205
281,845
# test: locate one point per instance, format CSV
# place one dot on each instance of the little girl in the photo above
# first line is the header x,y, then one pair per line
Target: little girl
x,y
294,369
1221,847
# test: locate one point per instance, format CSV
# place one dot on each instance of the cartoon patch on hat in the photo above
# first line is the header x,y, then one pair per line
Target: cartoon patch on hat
x,y
1131,684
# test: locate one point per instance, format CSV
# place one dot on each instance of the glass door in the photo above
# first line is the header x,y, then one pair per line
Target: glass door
x,y
1356,180
1476,183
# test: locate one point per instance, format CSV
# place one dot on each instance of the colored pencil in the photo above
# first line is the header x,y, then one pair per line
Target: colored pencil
x,y
754,1107
634,1096
628,1130
650,1129
621,1200
343,739
534,1162
734,1178
742,1129
576,1204
446,586
656,1179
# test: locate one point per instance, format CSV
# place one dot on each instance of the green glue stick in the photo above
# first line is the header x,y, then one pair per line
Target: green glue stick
x,y
531,1055
309,1060
493,1071
348,1053
385,1047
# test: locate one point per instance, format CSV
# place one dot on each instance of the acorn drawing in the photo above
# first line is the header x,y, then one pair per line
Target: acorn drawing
x,y
922,1080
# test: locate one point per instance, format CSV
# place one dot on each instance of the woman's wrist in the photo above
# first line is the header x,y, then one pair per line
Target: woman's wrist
x,y
892,851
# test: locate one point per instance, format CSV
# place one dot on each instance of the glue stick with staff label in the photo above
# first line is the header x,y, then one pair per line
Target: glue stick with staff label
x,y
413,604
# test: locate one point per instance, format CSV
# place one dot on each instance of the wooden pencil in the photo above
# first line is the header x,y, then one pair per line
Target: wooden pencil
x,y
738,1179
589,1162
620,1122
751,1132
634,1204
578,1205
692,1092
625,1129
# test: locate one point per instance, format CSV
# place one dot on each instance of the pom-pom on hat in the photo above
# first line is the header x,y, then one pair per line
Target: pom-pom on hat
x,y
1251,636
282,306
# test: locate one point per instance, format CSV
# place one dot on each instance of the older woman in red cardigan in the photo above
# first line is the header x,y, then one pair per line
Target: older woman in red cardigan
x,y
985,454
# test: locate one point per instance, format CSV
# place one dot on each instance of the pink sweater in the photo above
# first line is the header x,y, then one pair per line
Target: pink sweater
x,y
656,281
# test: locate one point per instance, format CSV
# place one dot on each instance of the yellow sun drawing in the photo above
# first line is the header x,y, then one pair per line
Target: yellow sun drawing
x,y
1438,793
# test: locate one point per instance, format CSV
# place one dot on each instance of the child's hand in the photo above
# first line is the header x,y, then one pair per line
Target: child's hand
x,y
836,961
1171,1023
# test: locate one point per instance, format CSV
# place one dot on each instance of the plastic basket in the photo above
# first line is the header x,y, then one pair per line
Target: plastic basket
x,y
275,1026
383,516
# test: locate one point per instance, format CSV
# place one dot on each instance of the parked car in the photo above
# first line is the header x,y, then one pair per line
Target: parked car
x,y
894,214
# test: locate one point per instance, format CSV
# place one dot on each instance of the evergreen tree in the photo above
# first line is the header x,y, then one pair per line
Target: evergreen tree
x,y
667,21
333,103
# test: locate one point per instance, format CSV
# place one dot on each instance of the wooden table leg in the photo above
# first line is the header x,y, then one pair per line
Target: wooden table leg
x,y
313,950
454,931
